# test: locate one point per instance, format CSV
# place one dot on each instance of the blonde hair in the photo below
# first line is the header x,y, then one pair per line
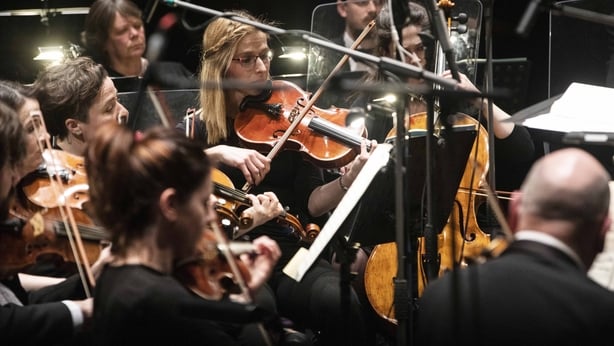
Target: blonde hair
x,y
220,42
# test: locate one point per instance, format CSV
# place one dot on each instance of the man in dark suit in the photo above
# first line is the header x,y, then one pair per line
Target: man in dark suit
x,y
537,291
45,323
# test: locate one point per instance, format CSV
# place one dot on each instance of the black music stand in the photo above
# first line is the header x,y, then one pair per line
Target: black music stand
x,y
372,221
173,102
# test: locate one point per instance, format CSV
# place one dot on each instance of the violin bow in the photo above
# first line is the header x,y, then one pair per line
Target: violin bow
x,y
68,218
228,255
314,98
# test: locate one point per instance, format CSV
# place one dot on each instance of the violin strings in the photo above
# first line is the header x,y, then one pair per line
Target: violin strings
x,y
87,232
233,193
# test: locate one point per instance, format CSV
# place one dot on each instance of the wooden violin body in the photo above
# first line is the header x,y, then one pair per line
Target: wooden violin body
x,y
39,229
321,135
231,202
70,168
29,237
208,273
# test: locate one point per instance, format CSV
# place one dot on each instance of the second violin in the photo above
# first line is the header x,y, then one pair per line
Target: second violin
x,y
231,202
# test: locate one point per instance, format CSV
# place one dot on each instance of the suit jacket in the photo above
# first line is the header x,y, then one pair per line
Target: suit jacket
x,y
40,324
44,319
532,294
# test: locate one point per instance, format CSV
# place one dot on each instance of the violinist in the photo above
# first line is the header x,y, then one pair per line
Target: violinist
x,y
75,97
241,52
21,321
153,192
537,291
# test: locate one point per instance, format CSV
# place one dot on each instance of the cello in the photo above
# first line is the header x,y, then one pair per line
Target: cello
x,y
461,236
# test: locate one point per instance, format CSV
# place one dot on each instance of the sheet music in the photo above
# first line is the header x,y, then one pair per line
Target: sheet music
x,y
303,259
582,108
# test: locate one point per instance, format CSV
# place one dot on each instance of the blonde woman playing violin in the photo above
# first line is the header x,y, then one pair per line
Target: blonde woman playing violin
x,y
240,52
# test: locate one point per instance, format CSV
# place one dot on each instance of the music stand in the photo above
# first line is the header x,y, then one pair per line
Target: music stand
x,y
372,221
174,104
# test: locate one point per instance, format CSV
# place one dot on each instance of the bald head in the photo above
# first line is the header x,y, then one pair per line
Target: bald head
x,y
566,195
568,184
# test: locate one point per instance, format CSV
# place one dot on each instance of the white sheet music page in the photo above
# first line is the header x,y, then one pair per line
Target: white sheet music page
x,y
303,259
582,108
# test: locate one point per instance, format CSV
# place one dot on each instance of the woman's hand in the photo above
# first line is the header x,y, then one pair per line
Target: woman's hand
x,y
350,171
261,265
264,207
103,258
326,197
501,129
251,163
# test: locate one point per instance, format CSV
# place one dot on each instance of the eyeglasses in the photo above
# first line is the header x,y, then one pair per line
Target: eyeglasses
x,y
249,62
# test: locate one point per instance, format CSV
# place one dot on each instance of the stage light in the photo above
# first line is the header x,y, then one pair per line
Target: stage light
x,y
389,98
294,53
52,54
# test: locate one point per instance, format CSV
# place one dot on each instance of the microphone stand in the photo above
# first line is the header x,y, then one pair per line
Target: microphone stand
x,y
441,35
488,86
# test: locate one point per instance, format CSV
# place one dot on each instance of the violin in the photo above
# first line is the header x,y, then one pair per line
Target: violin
x,y
295,123
26,238
214,271
230,203
64,194
207,273
321,135
70,169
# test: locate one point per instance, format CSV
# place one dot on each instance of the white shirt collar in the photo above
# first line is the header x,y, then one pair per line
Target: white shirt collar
x,y
549,240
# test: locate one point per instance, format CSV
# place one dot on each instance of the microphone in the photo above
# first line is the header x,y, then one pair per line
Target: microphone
x,y
157,41
528,18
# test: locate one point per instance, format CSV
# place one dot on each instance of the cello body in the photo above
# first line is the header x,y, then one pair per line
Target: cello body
x,y
461,236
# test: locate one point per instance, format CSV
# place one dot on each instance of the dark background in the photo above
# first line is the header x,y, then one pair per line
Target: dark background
x,y
581,55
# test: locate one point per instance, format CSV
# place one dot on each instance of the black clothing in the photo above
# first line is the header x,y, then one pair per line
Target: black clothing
x,y
43,319
314,302
35,324
136,305
532,294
